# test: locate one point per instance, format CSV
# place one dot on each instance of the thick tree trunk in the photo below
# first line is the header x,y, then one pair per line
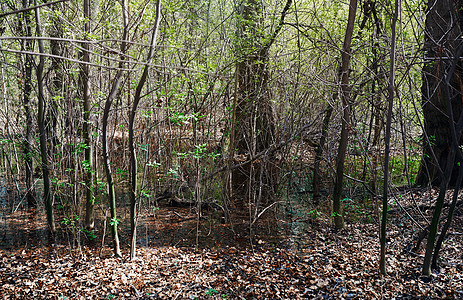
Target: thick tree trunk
x,y
442,32
454,149
442,106
253,126
250,87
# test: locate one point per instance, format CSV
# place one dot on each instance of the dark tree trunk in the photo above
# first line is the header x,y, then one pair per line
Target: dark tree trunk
x,y
253,128
448,222
448,90
345,101
442,31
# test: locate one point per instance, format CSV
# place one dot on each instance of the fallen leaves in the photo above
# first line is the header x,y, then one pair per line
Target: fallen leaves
x,y
341,269
316,264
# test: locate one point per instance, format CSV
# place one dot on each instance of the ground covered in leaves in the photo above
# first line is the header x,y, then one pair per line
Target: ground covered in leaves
x,y
318,263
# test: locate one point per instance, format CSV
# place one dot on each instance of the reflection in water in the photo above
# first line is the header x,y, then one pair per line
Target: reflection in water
x,y
294,226
21,226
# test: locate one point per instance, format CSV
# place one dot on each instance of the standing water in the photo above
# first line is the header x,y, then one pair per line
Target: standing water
x,y
20,227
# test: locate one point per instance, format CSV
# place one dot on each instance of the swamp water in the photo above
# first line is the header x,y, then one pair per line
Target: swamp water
x,y
22,226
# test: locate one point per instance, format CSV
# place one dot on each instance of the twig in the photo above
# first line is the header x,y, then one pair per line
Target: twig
x,y
104,231
264,210
272,149
30,8
137,292
178,215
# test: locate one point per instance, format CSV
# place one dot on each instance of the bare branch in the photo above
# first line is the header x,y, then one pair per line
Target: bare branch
x,y
30,8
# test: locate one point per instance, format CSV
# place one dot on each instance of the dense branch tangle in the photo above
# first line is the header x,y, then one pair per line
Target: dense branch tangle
x,y
224,108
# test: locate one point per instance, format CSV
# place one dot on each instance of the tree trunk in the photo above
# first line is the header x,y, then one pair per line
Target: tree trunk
x,y
107,166
47,195
387,141
133,156
436,214
253,126
442,31
28,140
87,164
377,106
448,222
455,138
345,104
57,80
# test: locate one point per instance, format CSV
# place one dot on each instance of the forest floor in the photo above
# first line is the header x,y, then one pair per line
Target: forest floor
x,y
300,257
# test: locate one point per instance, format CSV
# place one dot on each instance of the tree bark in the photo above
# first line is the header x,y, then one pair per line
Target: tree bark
x,y
253,126
455,138
47,194
442,32
28,140
57,80
345,104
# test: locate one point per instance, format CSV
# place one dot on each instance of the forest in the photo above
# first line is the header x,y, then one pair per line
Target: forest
x,y
245,149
